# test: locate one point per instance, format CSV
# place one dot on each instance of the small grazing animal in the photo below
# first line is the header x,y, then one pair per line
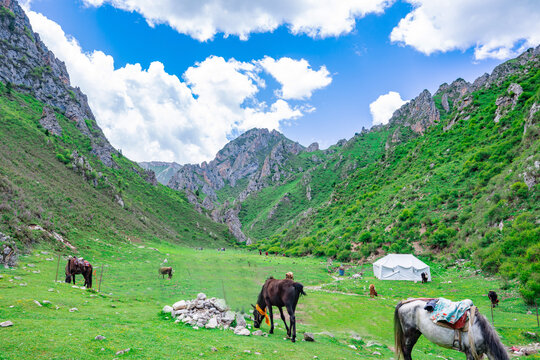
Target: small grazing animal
x,y
492,295
372,291
424,277
289,276
166,271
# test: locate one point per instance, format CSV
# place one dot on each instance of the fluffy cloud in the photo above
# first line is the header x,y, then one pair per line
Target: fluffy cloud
x,y
202,19
153,115
297,79
385,105
495,28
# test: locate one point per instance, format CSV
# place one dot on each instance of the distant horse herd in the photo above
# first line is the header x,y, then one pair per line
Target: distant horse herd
x,y
475,338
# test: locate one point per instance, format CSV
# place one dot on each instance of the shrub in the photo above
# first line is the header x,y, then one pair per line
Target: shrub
x,y
519,189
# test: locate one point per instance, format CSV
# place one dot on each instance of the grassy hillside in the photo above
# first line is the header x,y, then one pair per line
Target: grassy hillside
x,y
128,309
458,191
45,181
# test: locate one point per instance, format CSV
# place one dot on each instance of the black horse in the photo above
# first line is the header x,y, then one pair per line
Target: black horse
x,y
79,266
280,293
492,295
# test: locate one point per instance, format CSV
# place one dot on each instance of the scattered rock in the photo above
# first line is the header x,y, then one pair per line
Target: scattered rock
x,y
372,343
179,305
214,349
257,333
100,337
239,330
73,309
31,265
167,309
376,353
121,352
247,351
37,303
308,336
353,347
6,324
327,334
201,296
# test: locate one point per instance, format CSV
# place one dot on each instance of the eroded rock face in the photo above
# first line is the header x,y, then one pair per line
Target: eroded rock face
x,y
50,122
507,102
253,161
9,253
418,114
32,68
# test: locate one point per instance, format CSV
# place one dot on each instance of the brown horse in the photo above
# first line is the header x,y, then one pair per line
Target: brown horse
x,y
166,271
79,266
280,293
372,291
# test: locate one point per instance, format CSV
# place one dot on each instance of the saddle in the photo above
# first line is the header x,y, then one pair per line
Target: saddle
x,y
458,316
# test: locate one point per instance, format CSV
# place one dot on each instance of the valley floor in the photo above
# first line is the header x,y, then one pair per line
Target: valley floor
x,y
128,309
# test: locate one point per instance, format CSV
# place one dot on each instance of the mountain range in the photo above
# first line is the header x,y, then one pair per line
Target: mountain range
x,y
453,174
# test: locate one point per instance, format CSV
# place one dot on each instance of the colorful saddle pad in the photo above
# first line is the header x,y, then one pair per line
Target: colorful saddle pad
x,y
449,311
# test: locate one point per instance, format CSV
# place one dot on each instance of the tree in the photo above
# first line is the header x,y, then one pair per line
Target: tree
x,y
9,87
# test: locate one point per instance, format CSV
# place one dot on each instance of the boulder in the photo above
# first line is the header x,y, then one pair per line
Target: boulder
x,y
308,336
167,309
179,305
221,305
257,333
100,337
212,324
228,317
6,324
240,330
240,321
201,296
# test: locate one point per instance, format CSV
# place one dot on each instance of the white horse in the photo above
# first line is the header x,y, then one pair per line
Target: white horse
x,y
411,321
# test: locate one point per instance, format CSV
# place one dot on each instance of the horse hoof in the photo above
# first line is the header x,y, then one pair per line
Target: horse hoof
x,y
293,340
271,331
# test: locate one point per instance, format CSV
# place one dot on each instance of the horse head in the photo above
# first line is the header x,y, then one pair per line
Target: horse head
x,y
257,317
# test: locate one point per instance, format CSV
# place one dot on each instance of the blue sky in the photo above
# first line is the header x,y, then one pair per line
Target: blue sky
x,y
363,63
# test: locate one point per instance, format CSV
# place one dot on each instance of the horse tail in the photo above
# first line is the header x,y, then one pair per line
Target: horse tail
x,y
398,332
492,342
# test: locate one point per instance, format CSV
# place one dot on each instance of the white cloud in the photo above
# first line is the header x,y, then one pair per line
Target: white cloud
x,y
297,78
383,108
495,28
203,19
153,115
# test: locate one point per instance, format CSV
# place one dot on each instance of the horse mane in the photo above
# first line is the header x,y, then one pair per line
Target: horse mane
x,y
493,343
398,331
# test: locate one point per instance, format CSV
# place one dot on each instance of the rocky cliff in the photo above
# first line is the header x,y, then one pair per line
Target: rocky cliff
x,y
256,159
28,66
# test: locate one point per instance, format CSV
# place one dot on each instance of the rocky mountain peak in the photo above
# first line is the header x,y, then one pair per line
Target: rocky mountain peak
x,y
418,114
32,68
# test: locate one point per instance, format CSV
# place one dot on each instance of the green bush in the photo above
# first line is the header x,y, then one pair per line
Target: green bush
x,y
519,189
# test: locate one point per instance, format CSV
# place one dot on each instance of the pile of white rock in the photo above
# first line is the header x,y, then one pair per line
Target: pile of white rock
x,y
208,313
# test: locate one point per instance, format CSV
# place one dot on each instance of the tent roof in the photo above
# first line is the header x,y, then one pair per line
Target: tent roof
x,y
403,260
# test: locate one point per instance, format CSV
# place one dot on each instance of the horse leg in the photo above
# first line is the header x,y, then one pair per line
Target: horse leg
x,y
285,322
292,319
73,279
271,315
411,337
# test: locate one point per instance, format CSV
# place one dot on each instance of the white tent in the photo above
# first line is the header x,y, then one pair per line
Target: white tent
x,y
400,267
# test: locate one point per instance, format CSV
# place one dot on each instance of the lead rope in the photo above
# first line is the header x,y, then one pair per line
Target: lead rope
x,y
471,336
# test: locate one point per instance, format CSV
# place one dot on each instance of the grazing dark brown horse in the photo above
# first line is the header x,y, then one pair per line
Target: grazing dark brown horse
x,y
280,293
166,271
492,295
424,277
79,266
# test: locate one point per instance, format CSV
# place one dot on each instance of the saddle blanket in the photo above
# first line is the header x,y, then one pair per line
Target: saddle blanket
x,y
449,311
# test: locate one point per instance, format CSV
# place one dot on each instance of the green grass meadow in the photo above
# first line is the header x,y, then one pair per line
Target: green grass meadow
x,y
127,311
